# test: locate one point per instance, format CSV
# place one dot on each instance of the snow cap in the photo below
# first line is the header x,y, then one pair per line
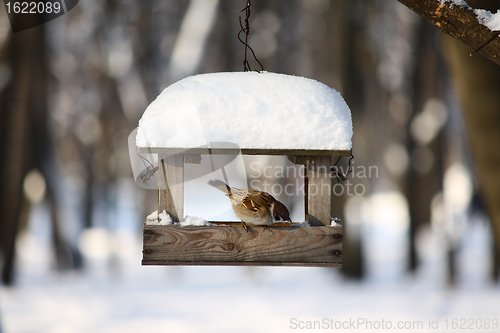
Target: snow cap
x,y
248,109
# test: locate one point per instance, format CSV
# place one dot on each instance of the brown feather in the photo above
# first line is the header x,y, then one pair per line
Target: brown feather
x,y
253,207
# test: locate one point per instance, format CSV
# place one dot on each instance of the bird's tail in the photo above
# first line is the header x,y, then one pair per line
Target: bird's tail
x,y
219,184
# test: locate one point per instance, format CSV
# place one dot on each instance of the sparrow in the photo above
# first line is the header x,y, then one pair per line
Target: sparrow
x,y
254,207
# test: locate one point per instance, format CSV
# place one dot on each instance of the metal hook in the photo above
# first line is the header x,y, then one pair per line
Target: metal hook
x,y
342,176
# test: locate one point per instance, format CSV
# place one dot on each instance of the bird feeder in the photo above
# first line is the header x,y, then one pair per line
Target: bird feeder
x,y
247,113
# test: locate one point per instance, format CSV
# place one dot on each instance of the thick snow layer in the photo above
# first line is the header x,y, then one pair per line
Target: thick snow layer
x,y
247,109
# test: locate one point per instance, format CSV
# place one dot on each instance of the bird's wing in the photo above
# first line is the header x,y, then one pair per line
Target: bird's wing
x,y
250,204
250,199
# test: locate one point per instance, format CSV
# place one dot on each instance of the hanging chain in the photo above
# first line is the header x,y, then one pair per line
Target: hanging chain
x,y
339,175
246,31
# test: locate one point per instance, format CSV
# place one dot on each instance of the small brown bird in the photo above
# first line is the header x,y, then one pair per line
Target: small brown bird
x,y
254,207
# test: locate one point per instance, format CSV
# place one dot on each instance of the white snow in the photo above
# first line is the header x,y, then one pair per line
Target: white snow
x,y
162,219
486,18
335,222
193,220
153,216
247,109
165,219
455,2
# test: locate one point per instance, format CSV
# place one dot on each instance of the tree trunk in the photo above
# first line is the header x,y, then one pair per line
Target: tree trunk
x,y
20,100
478,85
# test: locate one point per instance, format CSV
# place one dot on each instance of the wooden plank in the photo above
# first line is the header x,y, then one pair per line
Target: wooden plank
x,y
244,151
233,245
171,186
299,159
319,190
192,158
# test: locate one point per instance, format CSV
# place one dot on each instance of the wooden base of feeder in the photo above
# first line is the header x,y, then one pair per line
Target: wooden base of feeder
x,y
232,244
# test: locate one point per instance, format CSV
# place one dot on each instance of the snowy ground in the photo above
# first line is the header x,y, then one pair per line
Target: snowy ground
x,y
116,294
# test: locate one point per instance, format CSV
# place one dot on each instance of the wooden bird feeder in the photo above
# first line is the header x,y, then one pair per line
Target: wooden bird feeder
x,y
253,114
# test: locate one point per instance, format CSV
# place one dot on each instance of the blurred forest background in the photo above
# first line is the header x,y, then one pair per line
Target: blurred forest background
x,y
72,90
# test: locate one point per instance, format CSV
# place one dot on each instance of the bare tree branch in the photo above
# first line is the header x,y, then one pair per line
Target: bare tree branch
x,y
459,22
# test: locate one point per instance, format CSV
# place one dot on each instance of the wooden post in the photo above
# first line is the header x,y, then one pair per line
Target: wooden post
x,y
171,185
319,189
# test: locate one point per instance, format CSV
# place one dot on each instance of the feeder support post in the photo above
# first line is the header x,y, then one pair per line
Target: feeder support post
x,y
319,190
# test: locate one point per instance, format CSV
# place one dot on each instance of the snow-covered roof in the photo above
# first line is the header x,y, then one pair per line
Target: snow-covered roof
x,y
250,110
